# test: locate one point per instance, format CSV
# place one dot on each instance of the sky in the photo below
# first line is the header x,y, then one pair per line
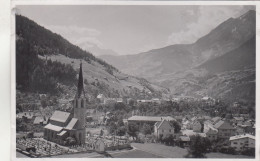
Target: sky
x,y
129,29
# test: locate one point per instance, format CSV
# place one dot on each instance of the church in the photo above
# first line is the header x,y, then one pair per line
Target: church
x,y
65,124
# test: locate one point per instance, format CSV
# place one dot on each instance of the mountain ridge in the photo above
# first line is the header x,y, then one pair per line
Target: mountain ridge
x,y
40,52
186,68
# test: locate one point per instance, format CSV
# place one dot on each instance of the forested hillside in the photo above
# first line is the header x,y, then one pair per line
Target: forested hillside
x,y
47,63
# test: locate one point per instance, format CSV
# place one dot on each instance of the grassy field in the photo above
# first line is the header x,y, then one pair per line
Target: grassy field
x,y
161,150
134,154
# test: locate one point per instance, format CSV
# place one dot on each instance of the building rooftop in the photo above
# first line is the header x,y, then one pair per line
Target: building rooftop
x,y
53,127
150,118
71,124
60,116
38,120
184,138
223,125
241,137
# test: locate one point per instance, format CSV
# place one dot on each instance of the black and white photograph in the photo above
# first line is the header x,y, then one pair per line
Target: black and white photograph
x,y
135,81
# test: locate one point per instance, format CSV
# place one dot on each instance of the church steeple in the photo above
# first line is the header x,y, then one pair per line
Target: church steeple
x,y
80,83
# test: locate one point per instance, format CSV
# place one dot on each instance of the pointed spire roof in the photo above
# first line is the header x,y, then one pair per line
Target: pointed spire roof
x,y
80,83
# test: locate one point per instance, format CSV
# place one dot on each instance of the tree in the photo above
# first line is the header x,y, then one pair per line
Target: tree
x,y
132,130
202,127
176,125
199,146
146,129
101,132
112,128
70,141
169,139
121,131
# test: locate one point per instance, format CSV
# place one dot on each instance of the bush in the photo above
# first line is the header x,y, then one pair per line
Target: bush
x,y
199,146
249,152
227,150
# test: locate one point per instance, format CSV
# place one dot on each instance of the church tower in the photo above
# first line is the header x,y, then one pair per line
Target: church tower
x,y
79,107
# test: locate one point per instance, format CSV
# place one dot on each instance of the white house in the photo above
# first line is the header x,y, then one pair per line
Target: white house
x,y
163,128
241,142
196,127
100,145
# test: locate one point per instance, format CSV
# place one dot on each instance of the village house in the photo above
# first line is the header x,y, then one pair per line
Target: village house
x,y
184,141
196,127
225,129
245,128
242,142
210,131
100,145
238,120
140,120
101,98
39,120
26,116
163,128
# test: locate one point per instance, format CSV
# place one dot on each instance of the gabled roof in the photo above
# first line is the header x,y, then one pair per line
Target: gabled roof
x,y
159,124
53,127
60,116
210,130
223,125
71,124
241,137
38,120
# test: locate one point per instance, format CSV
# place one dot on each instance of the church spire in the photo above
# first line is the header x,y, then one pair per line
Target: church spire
x,y
80,82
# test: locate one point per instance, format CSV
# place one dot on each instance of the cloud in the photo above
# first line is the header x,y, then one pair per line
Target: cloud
x,y
83,37
208,18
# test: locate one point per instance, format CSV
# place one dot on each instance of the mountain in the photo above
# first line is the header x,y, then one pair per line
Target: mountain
x,y
230,77
47,63
220,64
156,63
97,51
240,58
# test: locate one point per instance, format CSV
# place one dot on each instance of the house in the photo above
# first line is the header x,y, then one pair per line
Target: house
x,y
163,128
238,120
100,145
113,100
39,120
101,98
246,128
225,129
179,118
192,133
184,141
242,142
211,132
156,100
196,127
140,120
